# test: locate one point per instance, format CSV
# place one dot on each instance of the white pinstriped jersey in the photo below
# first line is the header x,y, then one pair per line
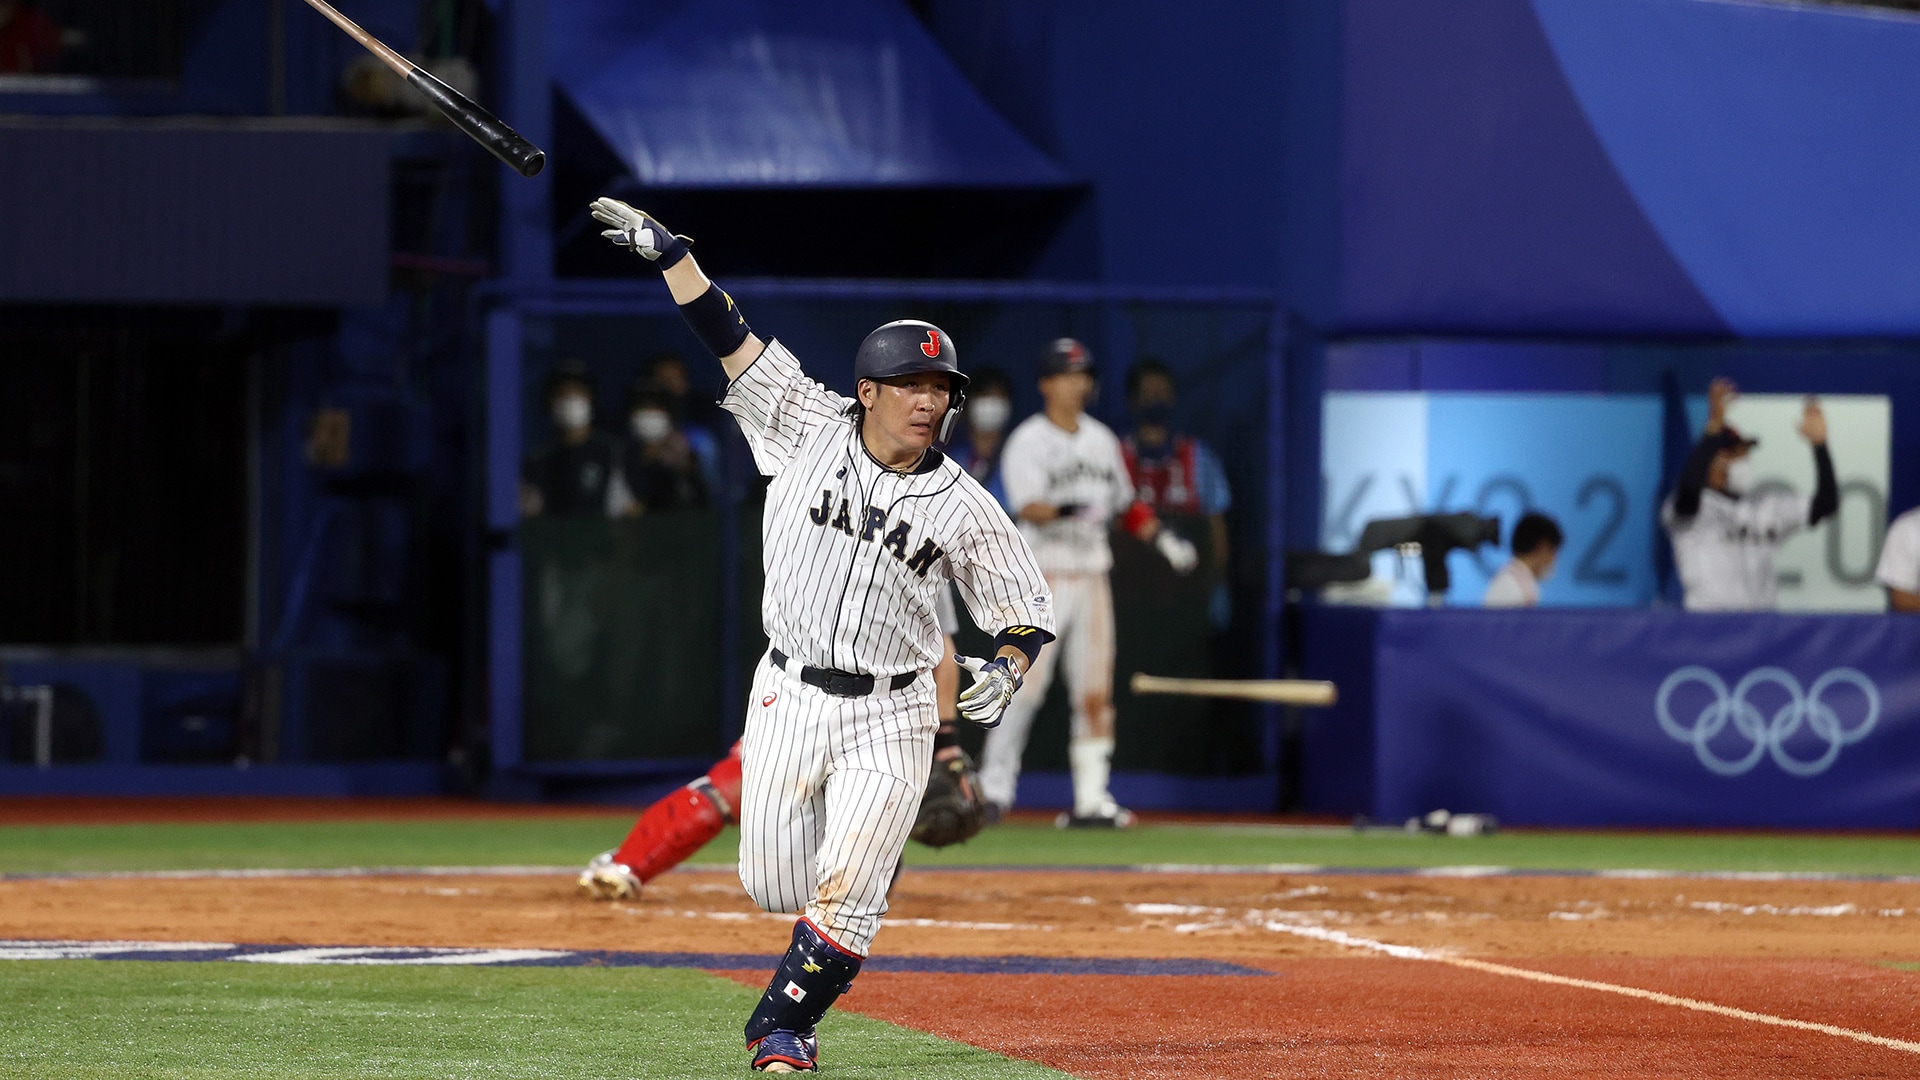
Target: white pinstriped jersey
x,y
1724,553
1046,463
856,553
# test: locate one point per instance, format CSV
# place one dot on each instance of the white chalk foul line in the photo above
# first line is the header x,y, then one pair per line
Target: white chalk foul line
x,y
1409,952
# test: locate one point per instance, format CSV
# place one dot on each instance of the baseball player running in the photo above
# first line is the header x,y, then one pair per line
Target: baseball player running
x,y
865,523
676,826
1067,481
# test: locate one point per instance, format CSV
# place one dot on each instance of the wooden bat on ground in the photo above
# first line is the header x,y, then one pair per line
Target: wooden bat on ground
x,y
500,140
1307,692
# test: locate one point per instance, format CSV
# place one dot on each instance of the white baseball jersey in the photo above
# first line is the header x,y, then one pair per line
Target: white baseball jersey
x,y
1045,463
856,557
1725,552
1900,554
856,553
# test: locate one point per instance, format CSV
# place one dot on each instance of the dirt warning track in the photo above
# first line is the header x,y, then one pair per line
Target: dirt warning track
x,y
1364,975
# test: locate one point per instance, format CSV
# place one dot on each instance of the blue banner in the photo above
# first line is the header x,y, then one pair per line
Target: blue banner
x,y
1646,718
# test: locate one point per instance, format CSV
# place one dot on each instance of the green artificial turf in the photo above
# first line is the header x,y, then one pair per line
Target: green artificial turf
x,y
531,841
130,1020
1336,846
548,841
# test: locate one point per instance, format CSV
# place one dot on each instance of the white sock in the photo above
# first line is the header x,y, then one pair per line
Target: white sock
x,y
1092,759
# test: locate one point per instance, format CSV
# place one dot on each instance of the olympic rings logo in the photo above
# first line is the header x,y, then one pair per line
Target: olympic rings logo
x,y
1769,735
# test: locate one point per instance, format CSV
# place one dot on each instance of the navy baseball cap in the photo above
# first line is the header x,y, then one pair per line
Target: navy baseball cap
x,y
1065,356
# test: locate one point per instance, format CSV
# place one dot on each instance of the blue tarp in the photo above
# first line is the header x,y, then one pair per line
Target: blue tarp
x,y
763,93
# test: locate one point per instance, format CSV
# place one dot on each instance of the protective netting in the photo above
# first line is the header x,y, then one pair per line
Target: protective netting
x,y
641,632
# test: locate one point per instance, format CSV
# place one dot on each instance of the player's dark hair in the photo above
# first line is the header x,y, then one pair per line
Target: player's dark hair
x,y
1534,530
1141,369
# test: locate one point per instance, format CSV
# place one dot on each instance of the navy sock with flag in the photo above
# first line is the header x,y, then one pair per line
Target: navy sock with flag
x,y
810,978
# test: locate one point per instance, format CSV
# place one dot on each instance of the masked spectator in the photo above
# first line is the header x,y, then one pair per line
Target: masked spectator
x,y
1176,474
657,462
1724,534
1536,547
989,409
575,474
692,417
29,40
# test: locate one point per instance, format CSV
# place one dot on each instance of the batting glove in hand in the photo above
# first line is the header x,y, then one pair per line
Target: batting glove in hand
x,y
994,684
631,228
1180,553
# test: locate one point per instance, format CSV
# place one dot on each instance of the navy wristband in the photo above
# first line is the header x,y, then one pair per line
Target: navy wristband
x,y
716,321
1028,639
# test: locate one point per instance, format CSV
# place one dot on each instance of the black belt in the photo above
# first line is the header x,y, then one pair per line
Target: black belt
x,y
841,683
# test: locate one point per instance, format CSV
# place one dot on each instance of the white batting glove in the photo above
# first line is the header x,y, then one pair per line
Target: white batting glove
x,y
1180,554
994,684
636,229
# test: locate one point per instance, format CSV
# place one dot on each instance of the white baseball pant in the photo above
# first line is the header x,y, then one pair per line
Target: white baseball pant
x,y
829,790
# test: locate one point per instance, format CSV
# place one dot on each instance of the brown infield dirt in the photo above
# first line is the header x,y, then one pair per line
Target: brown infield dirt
x,y
1818,952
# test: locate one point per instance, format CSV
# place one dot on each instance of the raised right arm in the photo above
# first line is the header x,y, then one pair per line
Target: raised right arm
x,y
706,306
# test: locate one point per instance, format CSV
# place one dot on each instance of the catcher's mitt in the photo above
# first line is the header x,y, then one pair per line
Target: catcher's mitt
x,y
951,812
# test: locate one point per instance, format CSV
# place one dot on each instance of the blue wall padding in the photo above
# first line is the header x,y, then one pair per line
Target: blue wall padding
x,y
1555,717
182,213
1772,147
1474,194
729,93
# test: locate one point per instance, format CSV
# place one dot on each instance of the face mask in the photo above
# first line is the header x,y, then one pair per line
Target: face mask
x,y
1156,414
1740,476
651,425
573,412
989,413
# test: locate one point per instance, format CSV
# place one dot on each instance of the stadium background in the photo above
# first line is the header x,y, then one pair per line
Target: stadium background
x,y
217,247
306,731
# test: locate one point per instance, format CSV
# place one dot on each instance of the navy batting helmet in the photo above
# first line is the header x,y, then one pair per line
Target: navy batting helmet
x,y
905,347
1065,356
909,346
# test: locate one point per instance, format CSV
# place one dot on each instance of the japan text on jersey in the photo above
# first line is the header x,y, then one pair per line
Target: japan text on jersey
x,y
856,553
872,519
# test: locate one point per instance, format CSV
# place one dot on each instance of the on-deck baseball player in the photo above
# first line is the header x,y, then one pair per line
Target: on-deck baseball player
x,y
865,522
1066,480
686,820
1724,534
